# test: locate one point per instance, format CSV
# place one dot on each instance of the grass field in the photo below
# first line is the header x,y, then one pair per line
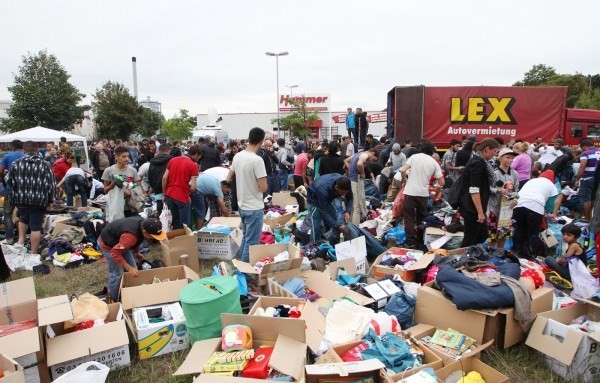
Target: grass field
x,y
520,363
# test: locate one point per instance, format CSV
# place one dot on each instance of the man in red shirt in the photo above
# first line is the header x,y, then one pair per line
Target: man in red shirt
x,y
178,181
61,166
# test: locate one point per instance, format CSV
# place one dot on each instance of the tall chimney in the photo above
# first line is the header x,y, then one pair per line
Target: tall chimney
x,y
134,65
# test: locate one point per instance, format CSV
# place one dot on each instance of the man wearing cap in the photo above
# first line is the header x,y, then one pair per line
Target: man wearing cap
x,y
120,243
507,184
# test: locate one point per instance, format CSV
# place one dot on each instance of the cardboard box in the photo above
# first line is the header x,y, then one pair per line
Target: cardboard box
x,y
549,239
13,372
351,372
408,275
155,339
107,344
258,252
17,304
140,291
284,199
317,282
430,360
434,309
177,243
571,354
315,321
436,238
274,222
421,330
488,374
289,354
217,245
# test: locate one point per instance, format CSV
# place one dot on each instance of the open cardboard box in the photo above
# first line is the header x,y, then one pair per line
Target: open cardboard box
x,y
421,330
317,282
436,238
434,309
371,369
177,243
140,291
17,304
13,372
315,321
218,245
408,275
107,344
569,353
283,199
258,252
488,374
289,354
274,222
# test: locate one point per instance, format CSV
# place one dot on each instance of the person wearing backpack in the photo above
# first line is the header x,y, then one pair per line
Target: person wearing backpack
x,y
478,179
285,156
529,213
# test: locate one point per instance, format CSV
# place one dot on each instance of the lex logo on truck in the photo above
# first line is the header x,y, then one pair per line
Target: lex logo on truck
x,y
483,110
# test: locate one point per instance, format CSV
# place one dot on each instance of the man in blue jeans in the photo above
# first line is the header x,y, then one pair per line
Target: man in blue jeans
x,y
351,127
251,180
7,160
323,206
285,155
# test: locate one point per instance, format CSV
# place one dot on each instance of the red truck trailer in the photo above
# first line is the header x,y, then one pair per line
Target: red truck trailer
x,y
439,114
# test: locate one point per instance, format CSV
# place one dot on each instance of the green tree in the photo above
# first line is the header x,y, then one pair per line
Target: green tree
x,y
298,120
42,95
589,100
577,83
117,111
179,127
538,75
151,122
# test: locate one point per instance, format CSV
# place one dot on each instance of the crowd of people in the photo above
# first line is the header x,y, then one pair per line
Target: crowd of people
x,y
341,179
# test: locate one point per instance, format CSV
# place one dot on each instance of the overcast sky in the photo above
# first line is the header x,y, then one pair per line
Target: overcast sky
x,y
198,54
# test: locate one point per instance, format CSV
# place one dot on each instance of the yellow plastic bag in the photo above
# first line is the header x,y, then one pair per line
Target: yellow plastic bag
x,y
87,307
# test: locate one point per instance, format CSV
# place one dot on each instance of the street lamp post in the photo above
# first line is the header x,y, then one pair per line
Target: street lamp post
x,y
291,89
276,55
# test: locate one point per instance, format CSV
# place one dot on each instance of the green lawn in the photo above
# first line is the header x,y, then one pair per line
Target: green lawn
x,y
520,363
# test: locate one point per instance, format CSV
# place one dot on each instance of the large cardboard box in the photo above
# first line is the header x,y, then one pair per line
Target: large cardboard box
x,y
488,374
258,252
141,291
160,338
408,275
274,222
365,370
289,354
17,304
570,353
421,330
217,245
317,282
13,372
178,243
315,321
107,344
434,309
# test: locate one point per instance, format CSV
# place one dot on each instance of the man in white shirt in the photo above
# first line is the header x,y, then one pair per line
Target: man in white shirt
x,y
548,154
416,189
349,148
75,184
251,182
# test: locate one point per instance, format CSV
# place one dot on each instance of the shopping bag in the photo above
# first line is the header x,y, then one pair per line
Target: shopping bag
x,y
398,204
166,218
584,284
89,372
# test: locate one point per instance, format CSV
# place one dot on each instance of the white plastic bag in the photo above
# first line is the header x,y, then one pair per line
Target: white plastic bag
x,y
166,218
584,284
115,207
89,372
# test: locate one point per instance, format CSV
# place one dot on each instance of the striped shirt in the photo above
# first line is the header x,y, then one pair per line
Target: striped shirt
x,y
591,157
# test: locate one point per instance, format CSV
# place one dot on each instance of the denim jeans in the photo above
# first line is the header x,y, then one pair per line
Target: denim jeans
x,y
198,204
335,210
252,223
79,182
273,185
351,133
9,224
180,212
283,179
115,271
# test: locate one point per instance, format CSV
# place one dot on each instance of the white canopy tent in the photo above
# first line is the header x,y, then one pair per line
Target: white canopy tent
x,y
41,134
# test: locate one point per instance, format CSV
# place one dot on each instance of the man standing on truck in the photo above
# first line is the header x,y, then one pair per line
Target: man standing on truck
x,y
351,125
362,124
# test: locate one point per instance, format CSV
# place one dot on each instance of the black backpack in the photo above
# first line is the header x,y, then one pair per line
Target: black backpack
x,y
454,193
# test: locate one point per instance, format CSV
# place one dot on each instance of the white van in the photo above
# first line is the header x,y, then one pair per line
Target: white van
x,y
213,130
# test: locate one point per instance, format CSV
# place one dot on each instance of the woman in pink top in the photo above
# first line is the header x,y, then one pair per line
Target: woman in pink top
x,y
522,163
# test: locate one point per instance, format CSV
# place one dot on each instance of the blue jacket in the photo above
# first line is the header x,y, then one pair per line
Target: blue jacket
x,y
322,192
350,121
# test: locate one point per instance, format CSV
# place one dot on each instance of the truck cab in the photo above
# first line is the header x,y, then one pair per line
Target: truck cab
x,y
582,123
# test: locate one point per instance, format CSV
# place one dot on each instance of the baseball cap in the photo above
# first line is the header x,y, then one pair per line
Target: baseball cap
x,y
154,227
506,151
395,147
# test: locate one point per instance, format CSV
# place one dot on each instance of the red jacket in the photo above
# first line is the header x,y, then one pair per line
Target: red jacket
x,y
60,168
